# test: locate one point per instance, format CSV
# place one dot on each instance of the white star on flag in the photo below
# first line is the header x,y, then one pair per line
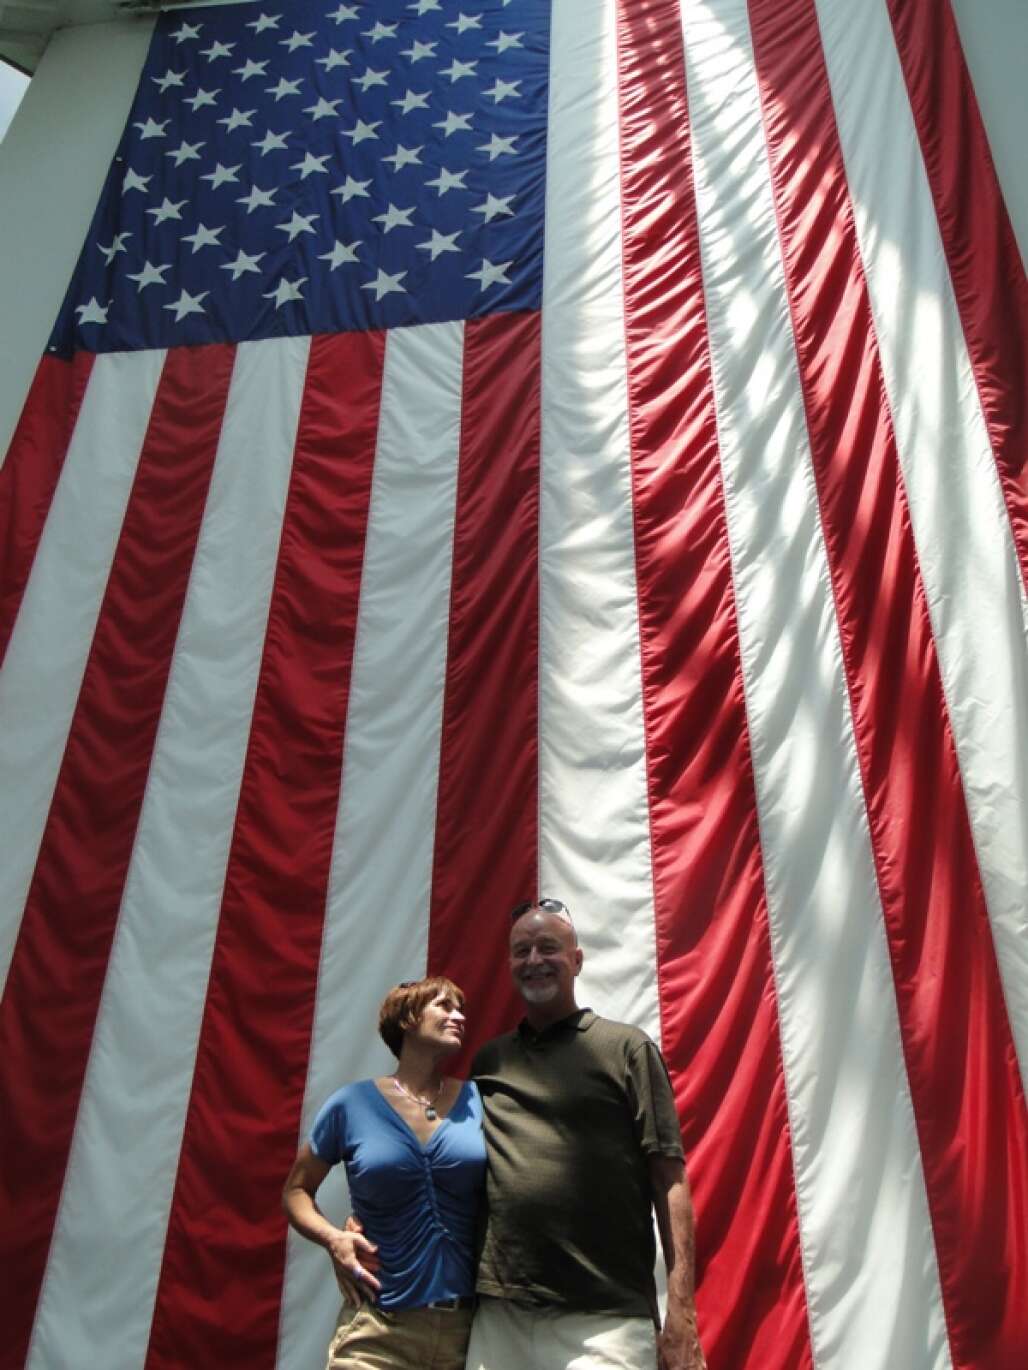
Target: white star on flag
x,y
93,312
404,156
502,90
311,164
201,98
187,304
170,78
203,237
284,88
324,109
117,245
448,180
505,41
217,50
491,274
150,275
187,31
243,262
264,21
411,100
185,152
271,142
493,206
417,52
335,59
440,243
150,128
250,68
394,218
351,189
297,40
372,78
458,69
299,223
222,175
239,118
343,13
497,146
361,132
340,254
455,123
380,31
133,181
384,284
167,209
257,199
286,291
465,21
423,6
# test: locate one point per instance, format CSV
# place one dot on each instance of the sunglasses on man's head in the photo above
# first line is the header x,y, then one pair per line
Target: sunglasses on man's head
x,y
547,906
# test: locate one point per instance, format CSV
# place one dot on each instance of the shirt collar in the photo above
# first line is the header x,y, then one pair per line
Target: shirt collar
x,y
580,1021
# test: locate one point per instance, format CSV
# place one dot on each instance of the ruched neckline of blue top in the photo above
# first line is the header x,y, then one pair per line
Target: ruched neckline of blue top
x,y
418,1202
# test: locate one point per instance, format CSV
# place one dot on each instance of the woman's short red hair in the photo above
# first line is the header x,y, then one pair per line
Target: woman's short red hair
x,y
405,1003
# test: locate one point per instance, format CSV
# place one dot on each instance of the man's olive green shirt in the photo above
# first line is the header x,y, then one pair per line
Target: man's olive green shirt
x,y
572,1115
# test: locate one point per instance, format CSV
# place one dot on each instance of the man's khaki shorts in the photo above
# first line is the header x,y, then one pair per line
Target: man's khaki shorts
x,y
509,1336
369,1338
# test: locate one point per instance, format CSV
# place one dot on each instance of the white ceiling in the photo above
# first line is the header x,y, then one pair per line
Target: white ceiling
x,y
26,25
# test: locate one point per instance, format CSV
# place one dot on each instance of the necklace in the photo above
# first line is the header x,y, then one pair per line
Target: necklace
x,y
427,1104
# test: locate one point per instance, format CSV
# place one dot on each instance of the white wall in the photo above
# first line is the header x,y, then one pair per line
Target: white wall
x,y
12,88
52,166
995,38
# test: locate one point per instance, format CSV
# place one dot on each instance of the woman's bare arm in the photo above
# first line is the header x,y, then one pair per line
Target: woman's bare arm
x,y
354,1257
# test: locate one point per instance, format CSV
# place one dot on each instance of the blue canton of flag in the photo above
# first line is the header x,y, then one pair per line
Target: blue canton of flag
x,y
362,165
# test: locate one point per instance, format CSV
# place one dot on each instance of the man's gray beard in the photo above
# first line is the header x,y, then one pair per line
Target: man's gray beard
x,y
536,992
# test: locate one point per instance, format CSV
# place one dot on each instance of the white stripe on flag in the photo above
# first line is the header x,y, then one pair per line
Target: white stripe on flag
x,y
122,1166
594,816
976,599
376,920
49,648
872,1285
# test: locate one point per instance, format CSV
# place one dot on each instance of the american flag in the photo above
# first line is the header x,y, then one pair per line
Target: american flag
x,y
492,447
321,171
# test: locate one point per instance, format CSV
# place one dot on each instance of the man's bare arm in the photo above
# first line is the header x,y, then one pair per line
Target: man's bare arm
x,y
678,1344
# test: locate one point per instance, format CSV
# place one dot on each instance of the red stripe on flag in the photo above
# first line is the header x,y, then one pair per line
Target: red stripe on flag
x,y
31,471
487,816
720,1027
221,1278
981,250
957,1041
52,996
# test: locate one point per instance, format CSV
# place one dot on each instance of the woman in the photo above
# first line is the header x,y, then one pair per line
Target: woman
x,y
412,1146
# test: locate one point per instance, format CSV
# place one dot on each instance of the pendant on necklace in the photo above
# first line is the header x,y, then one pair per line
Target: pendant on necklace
x,y
431,1114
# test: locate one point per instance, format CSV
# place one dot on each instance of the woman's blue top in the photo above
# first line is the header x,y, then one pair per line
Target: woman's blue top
x,y
418,1203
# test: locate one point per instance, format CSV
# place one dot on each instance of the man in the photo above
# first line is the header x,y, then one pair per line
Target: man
x,y
584,1144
